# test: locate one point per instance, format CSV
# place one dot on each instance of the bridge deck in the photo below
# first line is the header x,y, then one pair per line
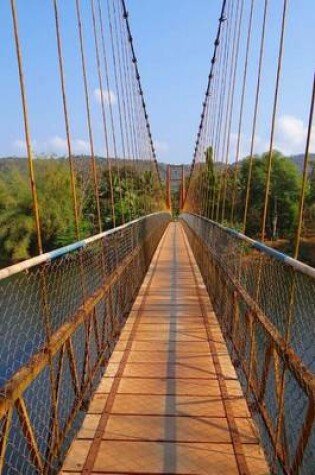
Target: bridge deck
x,y
170,401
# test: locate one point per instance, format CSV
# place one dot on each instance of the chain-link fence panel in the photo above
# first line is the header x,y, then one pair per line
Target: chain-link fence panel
x,y
265,303
60,320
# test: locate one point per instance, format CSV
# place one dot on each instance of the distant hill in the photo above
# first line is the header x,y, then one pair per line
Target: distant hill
x,y
298,160
83,164
176,170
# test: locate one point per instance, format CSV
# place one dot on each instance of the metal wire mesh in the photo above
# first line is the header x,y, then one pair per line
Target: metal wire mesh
x,y
59,324
265,306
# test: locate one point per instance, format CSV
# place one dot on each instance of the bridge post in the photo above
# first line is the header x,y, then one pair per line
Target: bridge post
x,y
183,191
168,187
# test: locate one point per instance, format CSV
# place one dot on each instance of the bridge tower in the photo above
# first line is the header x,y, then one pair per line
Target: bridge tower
x,y
168,188
175,187
182,190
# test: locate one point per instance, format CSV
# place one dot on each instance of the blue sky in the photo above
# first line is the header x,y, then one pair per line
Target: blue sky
x,y
174,44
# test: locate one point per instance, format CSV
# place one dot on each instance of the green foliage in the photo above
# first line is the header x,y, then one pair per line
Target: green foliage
x,y
16,221
309,214
203,183
311,195
212,190
285,187
135,194
17,235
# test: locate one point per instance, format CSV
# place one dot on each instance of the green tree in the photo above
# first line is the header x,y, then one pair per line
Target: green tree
x,y
136,192
56,204
18,238
309,210
17,230
285,186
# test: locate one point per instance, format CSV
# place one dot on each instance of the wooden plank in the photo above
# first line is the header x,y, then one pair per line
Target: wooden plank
x,y
171,429
160,386
160,406
163,457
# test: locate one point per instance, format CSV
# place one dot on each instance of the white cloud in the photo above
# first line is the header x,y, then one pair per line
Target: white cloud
x,y
290,139
80,146
108,96
20,145
161,146
291,135
59,146
260,146
55,145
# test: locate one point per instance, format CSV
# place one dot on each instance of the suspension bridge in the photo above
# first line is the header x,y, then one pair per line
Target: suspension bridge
x,y
165,336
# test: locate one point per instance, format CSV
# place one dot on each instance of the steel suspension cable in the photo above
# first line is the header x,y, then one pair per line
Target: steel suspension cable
x,y
211,99
268,176
123,49
132,105
117,89
129,102
88,113
237,38
216,77
115,37
209,149
207,95
227,81
87,324
305,175
68,137
273,123
293,290
129,109
243,95
217,116
215,108
255,115
224,114
110,105
128,38
234,68
138,132
66,120
137,75
147,157
204,142
202,152
27,128
54,426
218,109
104,120
205,133
121,98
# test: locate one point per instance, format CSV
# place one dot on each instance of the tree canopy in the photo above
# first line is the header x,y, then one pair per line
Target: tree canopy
x,y
285,187
133,197
221,191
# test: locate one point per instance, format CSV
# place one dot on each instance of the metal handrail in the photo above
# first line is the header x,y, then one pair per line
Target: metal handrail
x,y
56,253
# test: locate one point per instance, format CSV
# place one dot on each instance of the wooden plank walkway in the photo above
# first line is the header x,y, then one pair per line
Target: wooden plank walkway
x,y
170,401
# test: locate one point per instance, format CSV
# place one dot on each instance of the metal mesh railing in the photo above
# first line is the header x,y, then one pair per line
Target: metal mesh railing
x,y
265,304
59,324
